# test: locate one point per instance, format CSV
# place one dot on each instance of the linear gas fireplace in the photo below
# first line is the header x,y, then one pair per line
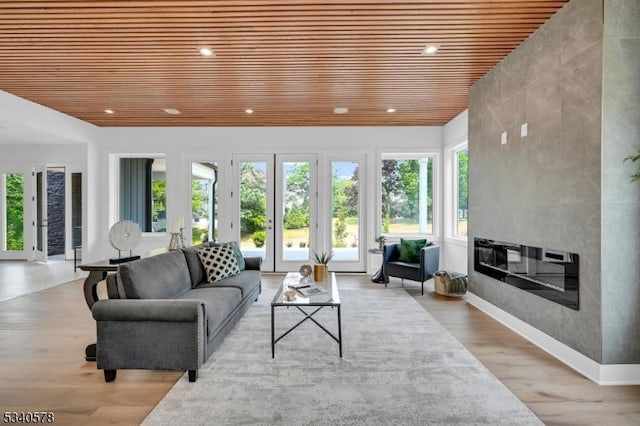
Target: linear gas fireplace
x,y
552,274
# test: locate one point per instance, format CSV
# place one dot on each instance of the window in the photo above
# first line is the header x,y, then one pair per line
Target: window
x,y
345,210
142,196
407,194
14,212
460,196
204,202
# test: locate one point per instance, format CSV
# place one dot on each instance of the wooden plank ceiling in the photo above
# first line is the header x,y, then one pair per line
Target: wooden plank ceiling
x,y
291,62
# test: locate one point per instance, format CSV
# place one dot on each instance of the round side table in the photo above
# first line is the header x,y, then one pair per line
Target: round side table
x,y
379,277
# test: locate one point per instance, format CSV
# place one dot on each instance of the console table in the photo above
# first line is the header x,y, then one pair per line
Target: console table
x,y
98,272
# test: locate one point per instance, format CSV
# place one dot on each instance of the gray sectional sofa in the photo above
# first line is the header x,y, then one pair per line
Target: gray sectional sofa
x,y
163,314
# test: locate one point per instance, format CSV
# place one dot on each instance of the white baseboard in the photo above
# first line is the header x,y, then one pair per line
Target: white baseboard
x,y
602,374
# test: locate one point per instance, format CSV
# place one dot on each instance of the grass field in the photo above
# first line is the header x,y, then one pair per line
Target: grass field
x,y
296,236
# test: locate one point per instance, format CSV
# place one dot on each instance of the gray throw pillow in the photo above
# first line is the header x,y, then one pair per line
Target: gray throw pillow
x,y
236,252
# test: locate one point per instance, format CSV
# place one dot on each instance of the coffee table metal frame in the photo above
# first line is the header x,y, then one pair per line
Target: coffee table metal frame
x,y
330,298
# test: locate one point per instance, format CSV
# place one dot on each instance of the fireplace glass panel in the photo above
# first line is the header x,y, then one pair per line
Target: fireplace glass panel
x,y
548,273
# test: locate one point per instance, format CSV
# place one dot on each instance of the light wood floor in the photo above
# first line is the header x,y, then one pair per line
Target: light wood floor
x,y
42,366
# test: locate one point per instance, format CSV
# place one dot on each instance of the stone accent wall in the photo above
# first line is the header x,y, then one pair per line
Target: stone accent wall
x,y
544,189
620,197
76,209
55,212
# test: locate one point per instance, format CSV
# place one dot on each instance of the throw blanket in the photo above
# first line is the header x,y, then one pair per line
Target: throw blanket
x,y
455,282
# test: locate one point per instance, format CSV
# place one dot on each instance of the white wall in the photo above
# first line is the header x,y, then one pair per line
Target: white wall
x,y
453,255
25,122
181,145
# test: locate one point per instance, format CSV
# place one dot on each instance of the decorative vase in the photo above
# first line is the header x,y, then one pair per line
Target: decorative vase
x,y
381,244
319,272
175,243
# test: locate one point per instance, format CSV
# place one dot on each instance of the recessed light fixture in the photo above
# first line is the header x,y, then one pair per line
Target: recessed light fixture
x,y
248,111
391,110
431,49
171,111
340,110
109,111
205,51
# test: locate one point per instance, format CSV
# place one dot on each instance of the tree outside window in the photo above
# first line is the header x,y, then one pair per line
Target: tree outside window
x,y
15,211
407,194
461,196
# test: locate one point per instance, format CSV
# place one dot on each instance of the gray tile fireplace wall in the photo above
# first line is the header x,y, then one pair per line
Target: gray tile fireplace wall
x,y
620,198
545,189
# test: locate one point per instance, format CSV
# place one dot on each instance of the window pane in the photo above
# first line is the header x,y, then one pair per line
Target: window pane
x,y
143,188
407,195
159,195
296,211
14,211
462,160
345,210
204,202
253,208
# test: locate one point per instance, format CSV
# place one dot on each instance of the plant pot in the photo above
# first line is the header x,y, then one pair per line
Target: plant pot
x,y
319,272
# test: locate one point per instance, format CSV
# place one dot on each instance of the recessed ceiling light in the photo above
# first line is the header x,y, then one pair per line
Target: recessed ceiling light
x,y
431,49
109,111
391,110
205,51
248,111
340,110
171,111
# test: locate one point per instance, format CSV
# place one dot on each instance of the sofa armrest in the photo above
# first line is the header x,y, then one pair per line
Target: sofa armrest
x,y
252,263
157,334
157,310
430,260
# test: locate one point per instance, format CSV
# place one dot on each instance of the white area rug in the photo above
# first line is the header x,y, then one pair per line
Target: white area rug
x,y
399,366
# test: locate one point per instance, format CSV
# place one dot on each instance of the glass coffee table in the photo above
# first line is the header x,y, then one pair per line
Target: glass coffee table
x,y
329,297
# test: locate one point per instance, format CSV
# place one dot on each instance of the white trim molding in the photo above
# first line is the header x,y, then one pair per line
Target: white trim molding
x,y
602,374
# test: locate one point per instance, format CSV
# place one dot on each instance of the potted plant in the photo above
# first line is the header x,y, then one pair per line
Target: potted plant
x,y
636,176
320,268
381,240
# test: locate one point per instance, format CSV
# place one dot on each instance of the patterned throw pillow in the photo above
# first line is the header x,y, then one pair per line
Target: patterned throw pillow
x,y
218,262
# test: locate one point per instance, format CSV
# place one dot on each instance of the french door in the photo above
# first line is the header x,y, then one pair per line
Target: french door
x,y
344,226
276,208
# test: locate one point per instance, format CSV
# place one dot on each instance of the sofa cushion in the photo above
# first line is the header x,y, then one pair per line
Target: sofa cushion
x,y
219,262
219,304
410,250
236,252
164,276
196,270
246,281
